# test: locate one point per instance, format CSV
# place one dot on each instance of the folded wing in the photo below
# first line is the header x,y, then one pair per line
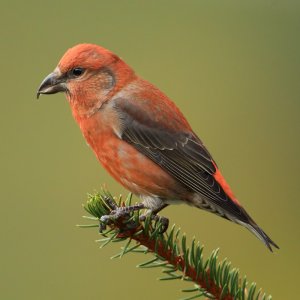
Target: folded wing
x,y
174,147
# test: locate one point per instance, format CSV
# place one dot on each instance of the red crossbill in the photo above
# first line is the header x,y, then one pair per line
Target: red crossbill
x,y
140,137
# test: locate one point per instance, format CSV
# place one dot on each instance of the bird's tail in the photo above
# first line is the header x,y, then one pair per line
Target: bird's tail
x,y
254,228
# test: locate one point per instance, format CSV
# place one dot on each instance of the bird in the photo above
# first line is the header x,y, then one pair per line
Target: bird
x,y
141,137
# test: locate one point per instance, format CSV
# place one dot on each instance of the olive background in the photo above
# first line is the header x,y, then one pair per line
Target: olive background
x,y
233,69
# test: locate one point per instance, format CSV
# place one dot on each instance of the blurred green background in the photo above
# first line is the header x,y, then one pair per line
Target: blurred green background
x,y
233,69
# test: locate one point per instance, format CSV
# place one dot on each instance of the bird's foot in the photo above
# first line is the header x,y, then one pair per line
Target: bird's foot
x,y
123,214
164,222
117,213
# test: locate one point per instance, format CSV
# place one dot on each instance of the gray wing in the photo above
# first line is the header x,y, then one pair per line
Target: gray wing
x,y
180,153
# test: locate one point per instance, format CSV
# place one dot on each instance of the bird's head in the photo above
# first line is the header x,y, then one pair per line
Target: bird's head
x,y
87,73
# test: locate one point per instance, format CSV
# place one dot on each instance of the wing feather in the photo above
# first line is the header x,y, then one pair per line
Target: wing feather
x,y
180,152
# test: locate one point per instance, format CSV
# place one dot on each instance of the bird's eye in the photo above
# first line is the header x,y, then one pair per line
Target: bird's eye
x,y
76,72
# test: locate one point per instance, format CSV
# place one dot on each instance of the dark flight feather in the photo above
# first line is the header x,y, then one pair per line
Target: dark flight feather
x,y
182,154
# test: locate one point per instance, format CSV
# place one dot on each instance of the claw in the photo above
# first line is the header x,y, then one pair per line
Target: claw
x,y
164,224
117,213
163,221
104,221
102,227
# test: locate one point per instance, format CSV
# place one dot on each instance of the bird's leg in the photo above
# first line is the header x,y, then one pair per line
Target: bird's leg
x,y
163,220
117,213
124,211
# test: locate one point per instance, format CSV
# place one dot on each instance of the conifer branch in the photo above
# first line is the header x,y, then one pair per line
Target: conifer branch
x,y
212,279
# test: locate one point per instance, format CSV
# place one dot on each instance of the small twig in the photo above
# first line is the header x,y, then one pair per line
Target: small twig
x,y
211,279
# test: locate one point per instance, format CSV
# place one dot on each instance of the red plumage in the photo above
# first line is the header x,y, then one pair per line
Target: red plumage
x,y
140,136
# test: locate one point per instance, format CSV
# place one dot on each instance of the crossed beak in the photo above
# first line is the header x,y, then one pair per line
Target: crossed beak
x,y
52,84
